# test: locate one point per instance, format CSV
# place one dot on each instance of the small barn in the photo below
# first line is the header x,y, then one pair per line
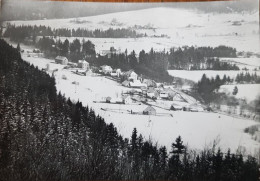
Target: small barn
x,y
149,111
61,60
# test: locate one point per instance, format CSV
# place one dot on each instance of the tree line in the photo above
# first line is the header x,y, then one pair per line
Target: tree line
x,y
247,78
19,33
214,64
151,64
207,87
44,136
200,57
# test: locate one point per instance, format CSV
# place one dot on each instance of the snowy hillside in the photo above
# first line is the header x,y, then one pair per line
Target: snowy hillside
x,y
184,27
249,92
198,129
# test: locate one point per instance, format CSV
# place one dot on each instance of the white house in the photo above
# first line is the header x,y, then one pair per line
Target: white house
x,y
83,64
163,95
116,73
61,60
113,73
106,69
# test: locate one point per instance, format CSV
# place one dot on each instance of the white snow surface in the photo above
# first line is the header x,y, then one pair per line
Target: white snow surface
x,y
249,92
184,27
198,129
196,75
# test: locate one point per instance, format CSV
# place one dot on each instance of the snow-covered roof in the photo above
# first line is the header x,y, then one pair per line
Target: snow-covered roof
x,y
125,83
149,108
125,96
83,62
128,73
137,83
61,58
106,67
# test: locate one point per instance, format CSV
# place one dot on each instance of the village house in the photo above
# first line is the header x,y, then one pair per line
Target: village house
x,y
116,73
177,97
36,50
127,99
163,95
109,53
176,107
61,60
149,111
131,75
106,69
152,93
108,99
83,64
113,73
149,83
137,84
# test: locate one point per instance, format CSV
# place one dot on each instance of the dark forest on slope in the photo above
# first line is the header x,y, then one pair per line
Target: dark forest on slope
x,y
44,136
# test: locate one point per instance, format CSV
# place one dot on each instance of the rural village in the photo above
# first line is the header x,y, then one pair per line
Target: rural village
x,y
146,91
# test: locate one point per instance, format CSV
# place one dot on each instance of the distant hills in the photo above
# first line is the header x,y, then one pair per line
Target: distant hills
x,y
28,10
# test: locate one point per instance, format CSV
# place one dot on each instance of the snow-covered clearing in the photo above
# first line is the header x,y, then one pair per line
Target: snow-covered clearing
x,y
185,27
198,129
196,75
249,92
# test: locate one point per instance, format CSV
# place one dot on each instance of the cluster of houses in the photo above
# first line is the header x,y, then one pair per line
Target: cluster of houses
x,y
144,88
147,87
82,64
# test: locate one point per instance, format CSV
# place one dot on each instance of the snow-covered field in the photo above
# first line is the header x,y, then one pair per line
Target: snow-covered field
x,y
196,75
245,91
136,44
184,27
198,129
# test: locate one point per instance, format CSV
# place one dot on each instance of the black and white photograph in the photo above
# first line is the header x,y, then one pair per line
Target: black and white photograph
x,y
129,91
